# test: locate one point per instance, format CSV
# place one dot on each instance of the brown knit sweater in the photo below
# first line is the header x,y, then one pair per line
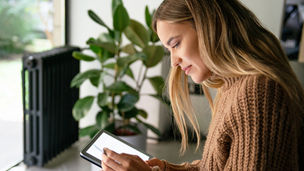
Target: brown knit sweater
x,y
251,130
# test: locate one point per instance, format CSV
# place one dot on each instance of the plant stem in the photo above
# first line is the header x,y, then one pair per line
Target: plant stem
x,y
102,70
143,79
117,56
139,75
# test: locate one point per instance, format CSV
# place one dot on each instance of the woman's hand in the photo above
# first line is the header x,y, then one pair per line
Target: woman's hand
x,y
112,161
156,162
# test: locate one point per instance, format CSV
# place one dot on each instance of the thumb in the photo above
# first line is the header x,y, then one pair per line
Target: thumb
x,y
155,162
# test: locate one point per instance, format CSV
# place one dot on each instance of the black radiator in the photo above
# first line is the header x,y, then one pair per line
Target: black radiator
x,y
49,127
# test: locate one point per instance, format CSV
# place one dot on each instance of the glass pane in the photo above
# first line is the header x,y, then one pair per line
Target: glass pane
x,y
10,112
26,26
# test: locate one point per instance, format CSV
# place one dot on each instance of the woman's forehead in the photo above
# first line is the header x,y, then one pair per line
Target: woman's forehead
x,y
171,27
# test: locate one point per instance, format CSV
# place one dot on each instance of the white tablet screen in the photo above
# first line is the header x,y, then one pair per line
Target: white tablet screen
x,y
105,140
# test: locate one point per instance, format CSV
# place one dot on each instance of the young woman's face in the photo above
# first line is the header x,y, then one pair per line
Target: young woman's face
x,y
181,40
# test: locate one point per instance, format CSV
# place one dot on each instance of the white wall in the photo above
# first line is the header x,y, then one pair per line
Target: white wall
x,y
82,27
269,12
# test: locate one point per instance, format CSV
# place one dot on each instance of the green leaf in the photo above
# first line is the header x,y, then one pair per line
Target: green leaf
x,y
93,133
81,77
104,55
96,80
116,35
148,17
97,50
151,127
121,71
109,46
121,18
102,119
131,113
95,18
119,87
141,55
115,3
129,49
137,34
87,130
161,98
154,55
84,57
91,40
105,37
124,61
129,72
158,83
102,99
110,127
107,109
143,113
109,66
127,102
82,107
153,36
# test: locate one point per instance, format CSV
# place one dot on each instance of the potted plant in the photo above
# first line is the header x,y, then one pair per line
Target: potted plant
x,y
118,98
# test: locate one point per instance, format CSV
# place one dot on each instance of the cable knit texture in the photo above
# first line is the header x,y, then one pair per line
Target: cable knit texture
x,y
252,130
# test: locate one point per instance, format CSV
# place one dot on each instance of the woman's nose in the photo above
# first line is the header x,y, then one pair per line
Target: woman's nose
x,y
175,61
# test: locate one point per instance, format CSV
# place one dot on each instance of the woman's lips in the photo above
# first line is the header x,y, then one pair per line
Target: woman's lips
x,y
187,69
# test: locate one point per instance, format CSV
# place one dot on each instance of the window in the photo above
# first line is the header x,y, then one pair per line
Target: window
x,y
26,26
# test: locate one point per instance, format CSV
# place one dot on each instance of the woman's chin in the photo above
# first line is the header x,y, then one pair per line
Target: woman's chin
x,y
197,80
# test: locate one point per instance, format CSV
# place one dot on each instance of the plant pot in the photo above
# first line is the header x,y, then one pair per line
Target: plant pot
x,y
139,141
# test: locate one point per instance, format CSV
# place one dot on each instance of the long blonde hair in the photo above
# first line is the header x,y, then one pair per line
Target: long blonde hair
x,y
233,43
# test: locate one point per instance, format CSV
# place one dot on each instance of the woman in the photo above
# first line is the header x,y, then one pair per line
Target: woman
x,y
257,114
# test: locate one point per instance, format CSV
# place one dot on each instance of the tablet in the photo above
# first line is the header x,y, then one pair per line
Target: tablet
x,y
94,149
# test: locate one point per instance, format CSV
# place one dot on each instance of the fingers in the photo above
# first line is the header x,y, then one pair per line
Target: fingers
x,y
123,161
109,164
131,156
130,159
155,162
117,161
113,155
106,167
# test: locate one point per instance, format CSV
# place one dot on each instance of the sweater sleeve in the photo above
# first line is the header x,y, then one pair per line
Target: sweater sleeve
x,y
260,128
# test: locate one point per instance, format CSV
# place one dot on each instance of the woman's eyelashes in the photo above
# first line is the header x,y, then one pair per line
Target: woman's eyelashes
x,y
176,45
